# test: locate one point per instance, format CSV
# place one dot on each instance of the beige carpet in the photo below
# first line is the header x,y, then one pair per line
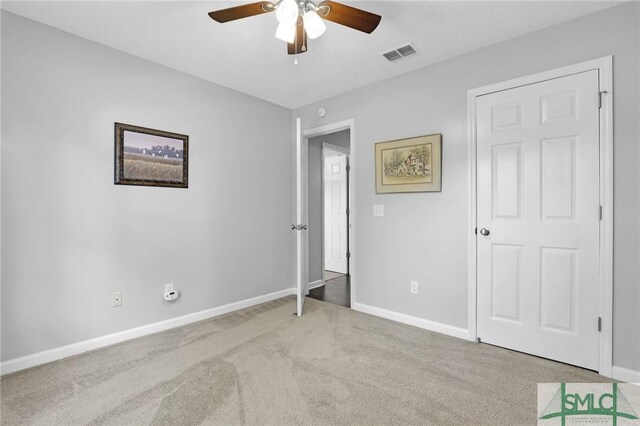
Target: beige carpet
x,y
262,366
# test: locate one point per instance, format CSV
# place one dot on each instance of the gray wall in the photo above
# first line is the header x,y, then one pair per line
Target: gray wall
x,y
316,209
70,237
429,231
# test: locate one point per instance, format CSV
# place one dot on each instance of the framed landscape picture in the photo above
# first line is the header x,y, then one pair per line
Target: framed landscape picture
x,y
409,165
150,157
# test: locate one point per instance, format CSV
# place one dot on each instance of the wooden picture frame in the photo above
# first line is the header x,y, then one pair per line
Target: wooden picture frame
x,y
150,157
409,165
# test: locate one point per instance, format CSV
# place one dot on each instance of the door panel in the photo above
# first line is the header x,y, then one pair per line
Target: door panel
x,y
557,288
507,180
538,195
335,213
506,282
558,170
302,214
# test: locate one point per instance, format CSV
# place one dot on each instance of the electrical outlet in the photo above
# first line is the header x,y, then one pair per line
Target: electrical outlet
x,y
168,287
116,299
414,287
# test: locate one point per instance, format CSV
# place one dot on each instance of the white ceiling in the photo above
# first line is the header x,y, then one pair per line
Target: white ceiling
x,y
244,55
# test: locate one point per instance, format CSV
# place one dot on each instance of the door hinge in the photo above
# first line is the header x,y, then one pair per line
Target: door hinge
x,y
348,212
476,231
348,255
599,323
600,98
348,168
600,212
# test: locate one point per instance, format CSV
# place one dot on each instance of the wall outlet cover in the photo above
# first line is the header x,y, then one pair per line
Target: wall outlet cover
x,y
378,210
414,287
171,295
116,299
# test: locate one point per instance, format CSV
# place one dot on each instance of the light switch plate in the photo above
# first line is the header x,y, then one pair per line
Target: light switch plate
x,y
378,210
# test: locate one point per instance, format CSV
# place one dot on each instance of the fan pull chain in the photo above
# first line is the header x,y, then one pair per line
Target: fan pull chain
x,y
295,47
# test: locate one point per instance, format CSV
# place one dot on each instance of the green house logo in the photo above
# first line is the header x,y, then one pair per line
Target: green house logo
x,y
613,405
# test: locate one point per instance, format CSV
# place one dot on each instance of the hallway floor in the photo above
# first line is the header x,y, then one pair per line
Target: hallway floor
x,y
336,290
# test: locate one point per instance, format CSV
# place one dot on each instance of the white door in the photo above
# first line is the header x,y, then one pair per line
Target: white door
x,y
302,237
335,213
538,218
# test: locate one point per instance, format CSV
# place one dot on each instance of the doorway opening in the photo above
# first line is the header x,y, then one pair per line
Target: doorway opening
x,y
328,207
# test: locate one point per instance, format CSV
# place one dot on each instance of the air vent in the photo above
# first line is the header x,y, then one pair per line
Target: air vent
x,y
392,55
406,50
400,52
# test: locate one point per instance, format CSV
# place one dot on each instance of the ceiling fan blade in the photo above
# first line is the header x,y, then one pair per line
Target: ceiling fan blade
x,y
349,16
300,44
244,11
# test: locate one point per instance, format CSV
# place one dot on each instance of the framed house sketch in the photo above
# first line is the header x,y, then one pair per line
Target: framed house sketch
x,y
409,165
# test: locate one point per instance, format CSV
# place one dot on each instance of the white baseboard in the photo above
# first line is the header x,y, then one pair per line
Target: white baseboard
x,y
17,364
625,375
44,357
449,330
617,373
316,284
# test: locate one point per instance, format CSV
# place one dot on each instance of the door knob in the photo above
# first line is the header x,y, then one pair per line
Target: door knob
x,y
304,227
484,232
293,227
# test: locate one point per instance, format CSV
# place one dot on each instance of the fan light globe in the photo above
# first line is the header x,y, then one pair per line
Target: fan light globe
x,y
286,33
287,12
313,24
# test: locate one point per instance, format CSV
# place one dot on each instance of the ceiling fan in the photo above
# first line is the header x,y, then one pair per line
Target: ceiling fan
x,y
302,19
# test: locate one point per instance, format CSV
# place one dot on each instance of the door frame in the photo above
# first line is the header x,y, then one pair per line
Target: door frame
x,y
604,66
325,130
347,152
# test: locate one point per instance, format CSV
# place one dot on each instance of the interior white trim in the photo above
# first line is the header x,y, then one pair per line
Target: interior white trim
x,y
437,327
329,128
625,375
604,66
316,284
44,357
337,148
325,130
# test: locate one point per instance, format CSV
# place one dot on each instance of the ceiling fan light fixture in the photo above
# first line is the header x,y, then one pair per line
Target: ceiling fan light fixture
x,y
313,24
286,33
287,12
300,20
